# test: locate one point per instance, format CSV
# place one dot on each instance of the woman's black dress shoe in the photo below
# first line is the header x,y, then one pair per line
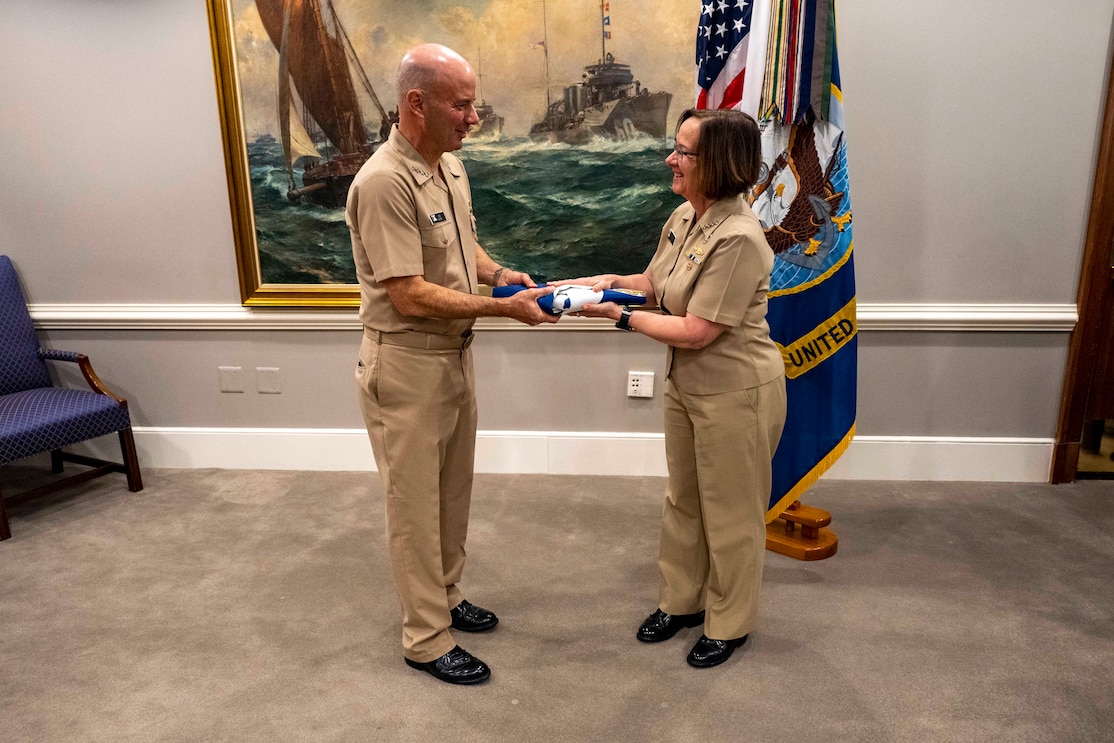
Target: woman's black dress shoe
x,y
457,666
707,653
660,626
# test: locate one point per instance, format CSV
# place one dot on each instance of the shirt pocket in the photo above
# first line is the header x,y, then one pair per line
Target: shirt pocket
x,y
436,240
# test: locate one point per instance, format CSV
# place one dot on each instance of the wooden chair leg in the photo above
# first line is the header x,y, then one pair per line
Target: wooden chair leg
x,y
131,461
56,461
5,530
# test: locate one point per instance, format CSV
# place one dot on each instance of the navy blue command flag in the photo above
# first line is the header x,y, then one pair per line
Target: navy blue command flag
x,y
776,60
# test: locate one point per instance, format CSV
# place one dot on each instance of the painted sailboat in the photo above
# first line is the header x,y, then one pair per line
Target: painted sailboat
x,y
608,102
321,123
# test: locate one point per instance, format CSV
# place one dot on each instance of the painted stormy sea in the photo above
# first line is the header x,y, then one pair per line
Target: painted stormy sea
x,y
552,210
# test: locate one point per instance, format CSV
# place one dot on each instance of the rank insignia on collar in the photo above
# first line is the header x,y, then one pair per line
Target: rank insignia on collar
x,y
672,237
437,218
420,172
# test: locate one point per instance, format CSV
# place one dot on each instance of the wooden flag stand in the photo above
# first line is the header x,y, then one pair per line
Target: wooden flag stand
x,y
813,541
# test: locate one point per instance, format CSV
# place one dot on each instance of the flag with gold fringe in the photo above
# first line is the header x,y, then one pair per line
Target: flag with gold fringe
x,y
777,60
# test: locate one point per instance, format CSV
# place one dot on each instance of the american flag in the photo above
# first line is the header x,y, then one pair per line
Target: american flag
x,y
730,31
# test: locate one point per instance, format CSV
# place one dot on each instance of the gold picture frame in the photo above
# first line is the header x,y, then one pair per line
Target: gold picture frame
x,y
253,291
545,240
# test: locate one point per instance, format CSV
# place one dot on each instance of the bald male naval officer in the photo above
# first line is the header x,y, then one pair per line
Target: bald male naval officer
x,y
418,262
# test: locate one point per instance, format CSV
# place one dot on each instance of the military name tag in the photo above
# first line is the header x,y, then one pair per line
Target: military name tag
x,y
437,218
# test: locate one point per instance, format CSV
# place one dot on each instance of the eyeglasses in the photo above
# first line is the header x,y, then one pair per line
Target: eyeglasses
x,y
680,152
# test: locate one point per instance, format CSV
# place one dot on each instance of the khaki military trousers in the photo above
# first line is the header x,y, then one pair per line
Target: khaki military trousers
x,y
419,405
713,535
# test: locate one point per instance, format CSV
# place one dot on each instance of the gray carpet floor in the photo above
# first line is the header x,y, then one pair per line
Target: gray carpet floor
x,y
258,606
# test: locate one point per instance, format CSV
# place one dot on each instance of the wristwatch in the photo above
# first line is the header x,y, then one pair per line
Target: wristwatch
x,y
624,319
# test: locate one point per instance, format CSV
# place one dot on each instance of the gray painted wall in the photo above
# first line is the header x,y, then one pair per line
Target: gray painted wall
x,y
972,131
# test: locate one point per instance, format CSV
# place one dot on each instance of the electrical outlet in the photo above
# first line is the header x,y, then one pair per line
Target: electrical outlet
x,y
231,378
640,384
267,380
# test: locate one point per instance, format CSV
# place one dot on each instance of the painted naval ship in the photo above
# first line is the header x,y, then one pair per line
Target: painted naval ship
x,y
491,123
608,102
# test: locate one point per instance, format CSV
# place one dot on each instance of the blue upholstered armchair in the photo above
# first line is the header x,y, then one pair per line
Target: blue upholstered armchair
x,y
37,417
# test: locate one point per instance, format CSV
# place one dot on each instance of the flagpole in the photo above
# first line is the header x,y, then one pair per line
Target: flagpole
x,y
603,35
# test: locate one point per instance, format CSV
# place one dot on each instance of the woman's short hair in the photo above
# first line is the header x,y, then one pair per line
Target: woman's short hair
x,y
729,153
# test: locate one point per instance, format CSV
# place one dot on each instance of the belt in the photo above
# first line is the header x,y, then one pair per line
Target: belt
x,y
417,339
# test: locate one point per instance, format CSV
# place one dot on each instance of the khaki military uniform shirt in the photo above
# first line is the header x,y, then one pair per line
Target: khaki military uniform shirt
x,y
718,268
407,219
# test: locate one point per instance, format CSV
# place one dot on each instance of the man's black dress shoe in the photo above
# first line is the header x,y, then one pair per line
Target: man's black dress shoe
x,y
707,653
661,626
457,666
469,618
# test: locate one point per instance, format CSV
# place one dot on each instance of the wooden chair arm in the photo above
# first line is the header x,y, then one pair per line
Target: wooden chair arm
x,y
50,354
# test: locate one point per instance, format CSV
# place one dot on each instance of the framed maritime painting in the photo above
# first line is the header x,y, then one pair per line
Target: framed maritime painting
x,y
577,101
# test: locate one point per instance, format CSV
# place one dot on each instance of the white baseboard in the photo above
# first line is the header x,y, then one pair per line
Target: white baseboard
x,y
562,453
945,458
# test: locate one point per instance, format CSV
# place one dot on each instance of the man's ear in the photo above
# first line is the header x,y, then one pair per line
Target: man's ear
x,y
415,100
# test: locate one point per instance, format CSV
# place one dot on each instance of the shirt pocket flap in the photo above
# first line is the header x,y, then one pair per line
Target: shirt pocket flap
x,y
437,235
